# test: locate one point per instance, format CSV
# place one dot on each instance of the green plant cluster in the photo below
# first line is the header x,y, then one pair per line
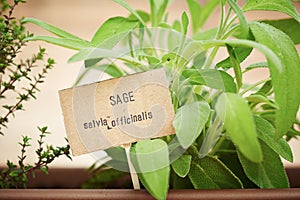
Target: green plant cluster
x,y
19,80
17,176
232,134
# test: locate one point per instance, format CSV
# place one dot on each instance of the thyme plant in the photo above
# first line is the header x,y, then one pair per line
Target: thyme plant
x,y
19,80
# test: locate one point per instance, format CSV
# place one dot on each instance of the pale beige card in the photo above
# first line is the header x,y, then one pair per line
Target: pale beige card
x,y
117,111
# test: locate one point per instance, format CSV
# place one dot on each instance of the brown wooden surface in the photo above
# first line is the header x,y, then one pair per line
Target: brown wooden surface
x,y
77,194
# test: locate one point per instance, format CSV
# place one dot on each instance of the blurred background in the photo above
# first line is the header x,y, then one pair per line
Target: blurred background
x,y
82,18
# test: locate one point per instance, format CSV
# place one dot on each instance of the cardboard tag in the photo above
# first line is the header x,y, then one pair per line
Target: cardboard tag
x,y
117,111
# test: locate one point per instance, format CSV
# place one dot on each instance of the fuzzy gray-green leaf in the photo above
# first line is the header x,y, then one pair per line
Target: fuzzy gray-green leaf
x,y
266,133
211,173
182,165
189,122
233,110
267,174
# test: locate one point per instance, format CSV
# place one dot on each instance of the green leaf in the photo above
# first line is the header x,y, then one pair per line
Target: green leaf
x,y
144,15
205,35
182,165
200,179
131,10
266,133
244,28
240,52
236,66
285,80
53,29
211,173
113,27
284,6
290,26
153,163
14,173
158,8
189,122
195,10
64,42
233,110
267,174
185,22
212,78
256,65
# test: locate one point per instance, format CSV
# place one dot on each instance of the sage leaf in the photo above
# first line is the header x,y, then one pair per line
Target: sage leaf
x,y
241,53
53,29
233,110
266,133
113,27
153,164
182,165
284,6
211,173
200,179
244,28
70,43
200,13
185,22
189,121
285,81
267,174
131,10
236,66
290,26
195,9
216,79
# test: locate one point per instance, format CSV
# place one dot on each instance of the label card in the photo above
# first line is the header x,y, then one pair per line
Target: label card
x,y
117,111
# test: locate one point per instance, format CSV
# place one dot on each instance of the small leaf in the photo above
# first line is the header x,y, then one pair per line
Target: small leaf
x,y
153,164
64,42
53,29
185,22
266,133
212,78
233,110
182,165
267,174
195,10
113,27
131,10
14,173
285,6
285,80
236,66
244,28
189,122
144,15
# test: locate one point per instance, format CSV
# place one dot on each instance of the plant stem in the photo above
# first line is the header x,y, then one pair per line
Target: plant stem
x,y
254,85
